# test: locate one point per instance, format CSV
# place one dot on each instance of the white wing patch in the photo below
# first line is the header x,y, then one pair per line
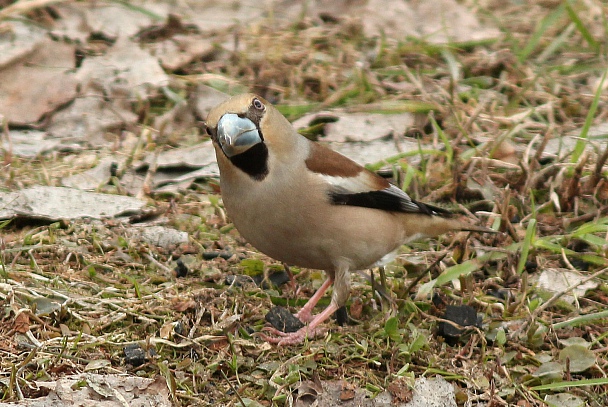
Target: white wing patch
x,y
349,185
363,184
366,191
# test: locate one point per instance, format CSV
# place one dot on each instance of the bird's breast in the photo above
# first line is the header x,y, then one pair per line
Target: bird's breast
x,y
297,225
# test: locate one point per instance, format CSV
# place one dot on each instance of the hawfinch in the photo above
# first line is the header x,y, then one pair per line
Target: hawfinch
x,y
306,205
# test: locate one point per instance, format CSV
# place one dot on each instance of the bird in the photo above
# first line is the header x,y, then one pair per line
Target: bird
x,y
307,205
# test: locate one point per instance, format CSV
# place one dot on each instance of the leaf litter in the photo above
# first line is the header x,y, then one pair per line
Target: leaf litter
x,y
473,105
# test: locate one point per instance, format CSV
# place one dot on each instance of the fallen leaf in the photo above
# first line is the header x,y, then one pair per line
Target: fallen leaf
x,y
579,358
43,81
556,280
348,392
117,390
21,323
183,304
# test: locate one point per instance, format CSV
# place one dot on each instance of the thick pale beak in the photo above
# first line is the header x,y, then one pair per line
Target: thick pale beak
x,y
236,134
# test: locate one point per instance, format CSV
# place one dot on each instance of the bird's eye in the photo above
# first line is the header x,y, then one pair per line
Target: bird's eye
x,y
257,104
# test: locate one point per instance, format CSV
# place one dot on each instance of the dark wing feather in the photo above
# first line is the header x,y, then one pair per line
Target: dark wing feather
x,y
351,184
390,199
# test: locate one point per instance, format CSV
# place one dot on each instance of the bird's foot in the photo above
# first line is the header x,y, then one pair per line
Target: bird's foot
x,y
291,338
304,315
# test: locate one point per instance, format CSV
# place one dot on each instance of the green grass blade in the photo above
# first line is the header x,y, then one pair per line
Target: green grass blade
x,y
295,111
396,107
597,226
140,9
545,24
453,65
556,44
409,176
452,273
583,319
449,151
395,158
582,142
581,27
525,248
577,383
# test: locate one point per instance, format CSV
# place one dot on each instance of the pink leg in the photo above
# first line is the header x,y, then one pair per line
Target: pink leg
x,y
305,314
340,294
309,331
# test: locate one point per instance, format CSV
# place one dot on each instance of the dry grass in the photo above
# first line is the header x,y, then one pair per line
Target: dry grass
x,y
82,291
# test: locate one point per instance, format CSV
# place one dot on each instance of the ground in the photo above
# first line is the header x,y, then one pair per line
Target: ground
x,y
500,117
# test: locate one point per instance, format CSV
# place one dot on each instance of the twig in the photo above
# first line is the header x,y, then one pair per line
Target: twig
x,y
238,396
421,275
552,301
157,263
24,6
597,173
586,217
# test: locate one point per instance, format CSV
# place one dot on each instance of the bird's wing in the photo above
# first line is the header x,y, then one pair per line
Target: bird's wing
x,y
351,184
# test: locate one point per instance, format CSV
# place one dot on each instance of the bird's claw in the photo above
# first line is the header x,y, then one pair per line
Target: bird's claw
x,y
290,338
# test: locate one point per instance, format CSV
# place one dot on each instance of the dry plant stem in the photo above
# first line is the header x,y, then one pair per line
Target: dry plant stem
x,y
382,278
573,187
466,127
147,186
543,144
504,212
525,161
552,301
158,264
597,174
586,217
415,80
8,152
40,321
495,163
548,134
375,288
24,6
410,287
478,109
336,96
534,163
238,396
22,366
537,178
200,311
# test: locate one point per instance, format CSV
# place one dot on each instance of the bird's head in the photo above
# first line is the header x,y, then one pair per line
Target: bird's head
x,y
235,125
244,128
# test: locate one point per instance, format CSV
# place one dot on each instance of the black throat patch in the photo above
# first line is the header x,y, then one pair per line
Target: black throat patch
x,y
254,162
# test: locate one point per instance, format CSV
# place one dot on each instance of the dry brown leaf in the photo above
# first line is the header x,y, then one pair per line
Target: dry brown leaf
x,y
400,390
39,84
183,304
21,323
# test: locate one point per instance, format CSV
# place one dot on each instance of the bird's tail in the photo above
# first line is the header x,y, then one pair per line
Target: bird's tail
x,y
446,219
422,225
475,228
